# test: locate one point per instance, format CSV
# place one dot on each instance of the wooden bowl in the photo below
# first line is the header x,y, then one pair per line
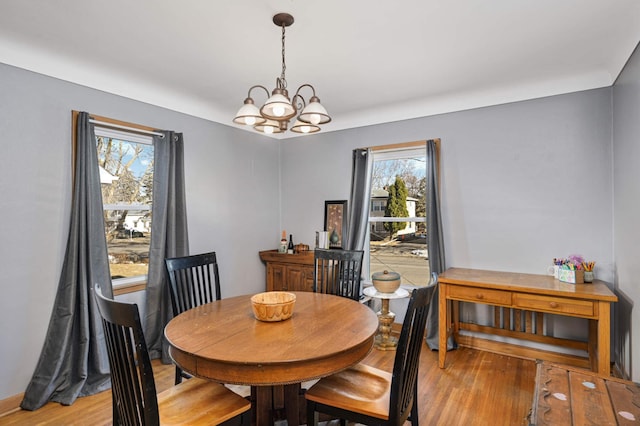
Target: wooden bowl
x,y
273,306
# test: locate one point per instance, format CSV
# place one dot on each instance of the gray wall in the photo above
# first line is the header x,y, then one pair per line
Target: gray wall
x,y
521,183
230,175
626,207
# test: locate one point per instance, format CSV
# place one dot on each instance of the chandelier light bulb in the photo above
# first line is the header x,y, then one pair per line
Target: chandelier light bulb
x,y
305,129
314,118
268,129
250,121
278,111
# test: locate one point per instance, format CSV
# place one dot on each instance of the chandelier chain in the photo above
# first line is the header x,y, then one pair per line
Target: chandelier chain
x,y
284,65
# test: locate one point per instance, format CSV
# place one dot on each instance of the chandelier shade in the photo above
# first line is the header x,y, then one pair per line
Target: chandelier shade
x,y
249,114
278,107
274,115
269,127
314,113
301,127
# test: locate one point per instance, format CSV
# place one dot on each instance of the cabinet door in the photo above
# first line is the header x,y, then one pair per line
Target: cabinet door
x,y
308,278
298,278
276,277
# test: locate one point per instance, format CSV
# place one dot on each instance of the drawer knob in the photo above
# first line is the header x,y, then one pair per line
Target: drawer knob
x,y
480,296
554,304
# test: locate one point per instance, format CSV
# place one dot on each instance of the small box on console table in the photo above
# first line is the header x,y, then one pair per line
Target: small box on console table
x,y
575,276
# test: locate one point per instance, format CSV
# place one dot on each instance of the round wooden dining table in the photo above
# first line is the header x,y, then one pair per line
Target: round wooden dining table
x,y
222,341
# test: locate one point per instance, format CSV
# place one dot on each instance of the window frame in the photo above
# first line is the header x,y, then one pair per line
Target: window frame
x,y
391,152
131,137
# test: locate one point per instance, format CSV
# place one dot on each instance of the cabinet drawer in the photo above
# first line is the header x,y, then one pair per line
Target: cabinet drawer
x,y
479,295
560,305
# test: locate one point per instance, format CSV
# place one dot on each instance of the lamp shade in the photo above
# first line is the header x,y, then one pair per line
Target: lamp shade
x,y
268,127
278,107
301,127
249,114
314,113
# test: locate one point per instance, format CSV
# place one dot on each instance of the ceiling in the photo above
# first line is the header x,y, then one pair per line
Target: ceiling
x,y
370,61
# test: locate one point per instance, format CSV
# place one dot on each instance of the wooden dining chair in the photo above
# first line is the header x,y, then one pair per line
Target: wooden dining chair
x,y
194,402
193,281
370,396
338,272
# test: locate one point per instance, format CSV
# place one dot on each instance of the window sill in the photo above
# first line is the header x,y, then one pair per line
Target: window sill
x,y
120,289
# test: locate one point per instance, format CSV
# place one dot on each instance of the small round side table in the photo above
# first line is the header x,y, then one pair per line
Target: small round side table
x,y
384,341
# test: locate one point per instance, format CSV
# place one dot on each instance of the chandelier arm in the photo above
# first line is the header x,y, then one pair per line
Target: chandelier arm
x,y
256,86
306,85
301,104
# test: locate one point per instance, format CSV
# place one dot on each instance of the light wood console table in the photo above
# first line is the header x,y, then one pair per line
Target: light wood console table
x,y
520,302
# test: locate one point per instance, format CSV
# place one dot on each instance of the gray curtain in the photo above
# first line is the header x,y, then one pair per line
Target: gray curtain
x,y
74,360
169,236
358,205
435,244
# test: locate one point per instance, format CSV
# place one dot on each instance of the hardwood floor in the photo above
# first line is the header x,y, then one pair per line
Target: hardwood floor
x,y
476,388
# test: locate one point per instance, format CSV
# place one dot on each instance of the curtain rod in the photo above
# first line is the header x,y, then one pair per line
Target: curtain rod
x,y
132,129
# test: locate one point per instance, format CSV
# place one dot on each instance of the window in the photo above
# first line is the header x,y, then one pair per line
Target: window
x,y
126,179
397,224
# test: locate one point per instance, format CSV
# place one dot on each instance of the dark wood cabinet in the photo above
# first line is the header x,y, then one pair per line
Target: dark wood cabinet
x,y
288,272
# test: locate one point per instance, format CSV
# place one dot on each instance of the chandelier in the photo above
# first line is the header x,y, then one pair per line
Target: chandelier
x,y
274,115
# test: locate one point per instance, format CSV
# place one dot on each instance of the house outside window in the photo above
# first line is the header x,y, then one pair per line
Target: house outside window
x,y
379,203
126,180
398,243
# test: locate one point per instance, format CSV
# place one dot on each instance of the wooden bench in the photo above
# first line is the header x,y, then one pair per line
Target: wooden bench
x,y
572,396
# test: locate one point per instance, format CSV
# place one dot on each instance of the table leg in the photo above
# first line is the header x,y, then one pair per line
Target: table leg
x,y
292,405
263,405
384,340
271,402
442,324
592,344
604,338
454,317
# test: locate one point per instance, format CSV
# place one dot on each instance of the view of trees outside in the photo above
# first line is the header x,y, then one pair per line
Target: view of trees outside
x,y
396,206
126,180
406,253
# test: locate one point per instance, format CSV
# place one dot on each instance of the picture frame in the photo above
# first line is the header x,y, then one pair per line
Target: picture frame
x,y
335,219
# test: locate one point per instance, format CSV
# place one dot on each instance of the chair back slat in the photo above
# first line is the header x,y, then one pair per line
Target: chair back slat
x,y
132,383
405,369
193,281
338,272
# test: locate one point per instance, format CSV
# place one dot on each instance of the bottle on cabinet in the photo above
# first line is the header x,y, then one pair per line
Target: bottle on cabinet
x,y
283,243
290,246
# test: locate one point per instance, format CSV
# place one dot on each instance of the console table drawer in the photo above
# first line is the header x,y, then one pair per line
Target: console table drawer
x,y
479,295
560,305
